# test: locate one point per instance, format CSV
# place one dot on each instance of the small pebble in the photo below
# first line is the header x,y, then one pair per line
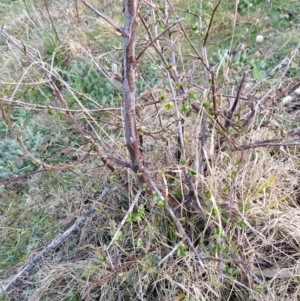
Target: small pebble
x,y
259,39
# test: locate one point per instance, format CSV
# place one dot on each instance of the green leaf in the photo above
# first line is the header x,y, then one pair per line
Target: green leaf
x,y
266,184
184,109
256,74
168,106
160,203
162,97
113,177
278,201
180,251
136,217
233,175
191,95
192,173
119,236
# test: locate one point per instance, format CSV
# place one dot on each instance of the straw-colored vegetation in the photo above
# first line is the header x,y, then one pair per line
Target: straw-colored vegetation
x,y
220,173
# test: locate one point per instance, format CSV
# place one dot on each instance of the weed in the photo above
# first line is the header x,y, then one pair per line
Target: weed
x,y
86,79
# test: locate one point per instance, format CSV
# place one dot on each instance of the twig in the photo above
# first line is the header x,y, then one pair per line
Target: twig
x,y
245,268
174,218
236,100
203,47
214,100
184,235
264,144
288,60
18,44
159,52
203,60
19,178
181,243
156,38
210,23
232,196
133,204
132,260
101,280
98,13
37,107
178,120
58,240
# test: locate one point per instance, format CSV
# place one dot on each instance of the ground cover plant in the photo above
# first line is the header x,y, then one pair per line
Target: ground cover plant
x,y
149,151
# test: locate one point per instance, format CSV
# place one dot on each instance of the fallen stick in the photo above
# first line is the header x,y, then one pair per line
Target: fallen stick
x,y
57,241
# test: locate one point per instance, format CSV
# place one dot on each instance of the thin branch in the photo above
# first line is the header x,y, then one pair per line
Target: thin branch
x,y
203,47
118,161
174,218
19,45
178,120
184,235
101,280
99,14
20,178
235,103
159,52
156,38
132,260
287,61
232,195
266,143
210,22
204,63
133,204
240,263
37,107
214,100
181,243
213,92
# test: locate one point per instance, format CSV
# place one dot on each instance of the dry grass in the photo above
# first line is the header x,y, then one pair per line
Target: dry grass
x,y
246,225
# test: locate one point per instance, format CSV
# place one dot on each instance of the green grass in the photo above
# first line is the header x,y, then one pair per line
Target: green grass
x,y
26,227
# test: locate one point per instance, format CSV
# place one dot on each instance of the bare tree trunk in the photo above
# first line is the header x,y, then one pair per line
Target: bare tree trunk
x,y
132,139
